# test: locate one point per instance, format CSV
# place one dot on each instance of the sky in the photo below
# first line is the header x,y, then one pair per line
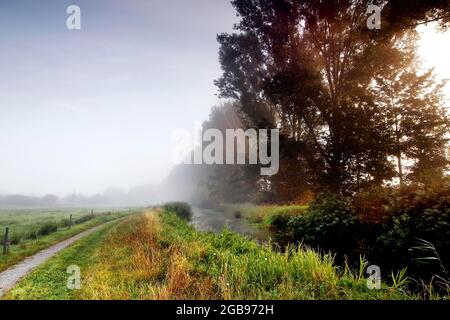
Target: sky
x,y
85,110
434,49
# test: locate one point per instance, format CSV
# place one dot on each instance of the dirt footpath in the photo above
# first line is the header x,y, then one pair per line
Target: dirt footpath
x,y
9,277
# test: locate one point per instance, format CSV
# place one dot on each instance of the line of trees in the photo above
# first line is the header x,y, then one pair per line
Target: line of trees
x,y
353,105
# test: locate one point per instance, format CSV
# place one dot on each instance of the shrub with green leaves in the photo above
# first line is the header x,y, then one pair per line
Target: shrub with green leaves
x,y
15,238
84,218
328,223
181,209
412,213
64,223
47,228
416,213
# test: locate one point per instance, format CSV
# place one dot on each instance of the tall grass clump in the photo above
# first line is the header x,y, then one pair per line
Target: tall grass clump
x,y
47,228
84,218
329,223
41,230
242,269
181,209
271,215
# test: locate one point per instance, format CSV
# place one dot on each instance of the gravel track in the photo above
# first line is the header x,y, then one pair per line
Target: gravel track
x,y
12,275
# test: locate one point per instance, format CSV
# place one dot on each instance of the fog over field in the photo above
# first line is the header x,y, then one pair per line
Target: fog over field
x,y
85,110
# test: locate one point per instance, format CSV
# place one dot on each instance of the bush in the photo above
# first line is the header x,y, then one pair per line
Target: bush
x,y
64,223
329,223
372,205
384,229
47,228
416,213
278,222
15,239
84,218
181,209
31,235
274,217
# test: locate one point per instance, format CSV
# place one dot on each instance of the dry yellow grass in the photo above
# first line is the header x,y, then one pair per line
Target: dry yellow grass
x,y
158,256
134,264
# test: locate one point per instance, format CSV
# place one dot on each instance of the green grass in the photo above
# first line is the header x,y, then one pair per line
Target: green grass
x,y
25,221
32,220
242,269
264,216
49,281
159,256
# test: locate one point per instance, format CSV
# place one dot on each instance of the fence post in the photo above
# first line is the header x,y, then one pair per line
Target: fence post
x,y
70,222
92,212
6,241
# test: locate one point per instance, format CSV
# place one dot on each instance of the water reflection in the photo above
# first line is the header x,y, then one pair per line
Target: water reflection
x,y
215,221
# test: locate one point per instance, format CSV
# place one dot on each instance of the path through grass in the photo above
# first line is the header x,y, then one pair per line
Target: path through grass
x,y
26,248
49,281
159,256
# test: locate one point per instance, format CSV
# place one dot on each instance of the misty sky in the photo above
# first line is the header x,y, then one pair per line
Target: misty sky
x,y
85,110
81,111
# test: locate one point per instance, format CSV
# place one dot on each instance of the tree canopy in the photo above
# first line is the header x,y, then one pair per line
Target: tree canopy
x,y
348,100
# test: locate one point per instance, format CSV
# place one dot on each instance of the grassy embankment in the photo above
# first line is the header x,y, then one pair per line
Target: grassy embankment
x,y
49,281
159,256
264,216
26,228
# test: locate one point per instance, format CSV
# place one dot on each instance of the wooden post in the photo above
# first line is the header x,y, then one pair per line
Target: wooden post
x,y
92,212
70,222
6,241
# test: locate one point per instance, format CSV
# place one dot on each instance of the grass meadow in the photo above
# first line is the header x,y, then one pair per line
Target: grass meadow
x,y
157,255
263,215
32,230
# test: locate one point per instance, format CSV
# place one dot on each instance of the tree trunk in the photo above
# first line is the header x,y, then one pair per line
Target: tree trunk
x,y
400,169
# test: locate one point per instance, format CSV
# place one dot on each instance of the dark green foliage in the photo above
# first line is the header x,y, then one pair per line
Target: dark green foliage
x,y
64,223
41,228
50,227
329,223
401,14
31,235
426,254
47,228
84,218
278,221
15,239
181,209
